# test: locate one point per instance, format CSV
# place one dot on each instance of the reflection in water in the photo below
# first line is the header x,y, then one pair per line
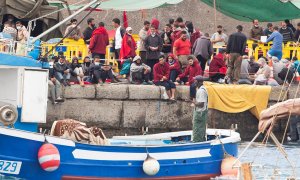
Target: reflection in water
x,y
271,161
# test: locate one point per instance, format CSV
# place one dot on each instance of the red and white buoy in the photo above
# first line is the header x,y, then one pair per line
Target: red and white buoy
x,y
49,157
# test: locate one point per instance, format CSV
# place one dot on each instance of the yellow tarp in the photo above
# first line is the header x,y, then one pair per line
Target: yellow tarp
x,y
237,98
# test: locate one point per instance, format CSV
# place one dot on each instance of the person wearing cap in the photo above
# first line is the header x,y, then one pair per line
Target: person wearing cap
x,y
200,111
62,71
161,73
217,67
153,45
139,72
128,45
192,70
77,71
235,48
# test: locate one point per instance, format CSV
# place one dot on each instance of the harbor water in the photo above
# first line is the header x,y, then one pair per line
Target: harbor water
x,y
268,161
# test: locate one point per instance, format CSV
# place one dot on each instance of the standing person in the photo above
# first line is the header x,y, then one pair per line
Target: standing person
x,y
171,22
268,31
22,37
217,67
276,49
161,74
87,33
203,50
99,41
153,45
167,42
143,34
256,32
176,34
62,71
219,38
117,42
290,25
236,47
297,33
155,24
73,31
182,49
193,33
287,33
200,111
128,45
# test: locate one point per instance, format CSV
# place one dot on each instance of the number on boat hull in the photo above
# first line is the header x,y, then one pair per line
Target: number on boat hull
x,y
10,167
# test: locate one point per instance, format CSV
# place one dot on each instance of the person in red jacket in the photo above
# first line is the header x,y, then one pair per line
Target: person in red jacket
x,y
99,41
174,66
217,67
161,72
128,45
192,70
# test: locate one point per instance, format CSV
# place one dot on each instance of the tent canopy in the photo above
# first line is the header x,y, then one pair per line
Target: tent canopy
x,y
263,10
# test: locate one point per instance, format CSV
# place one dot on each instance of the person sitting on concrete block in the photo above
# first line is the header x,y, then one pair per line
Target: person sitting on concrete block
x,y
139,72
77,71
99,73
62,71
161,72
175,68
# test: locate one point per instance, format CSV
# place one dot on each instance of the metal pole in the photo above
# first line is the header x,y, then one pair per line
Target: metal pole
x,y
65,20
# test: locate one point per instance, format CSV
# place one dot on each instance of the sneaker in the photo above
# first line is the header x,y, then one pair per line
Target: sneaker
x,y
59,99
150,83
145,83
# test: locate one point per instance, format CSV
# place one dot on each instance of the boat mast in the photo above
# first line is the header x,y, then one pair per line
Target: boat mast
x,y
65,20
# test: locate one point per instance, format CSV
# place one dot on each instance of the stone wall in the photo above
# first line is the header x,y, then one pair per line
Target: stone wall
x,y
120,109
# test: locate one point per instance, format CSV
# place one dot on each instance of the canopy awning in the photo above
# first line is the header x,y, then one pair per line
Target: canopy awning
x,y
263,10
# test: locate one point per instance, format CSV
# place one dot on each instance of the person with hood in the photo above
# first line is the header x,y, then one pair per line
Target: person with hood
x,y
128,45
174,66
193,33
99,41
192,70
217,67
62,71
77,71
87,33
203,50
167,42
73,31
200,114
161,73
153,45
139,72
99,73
155,24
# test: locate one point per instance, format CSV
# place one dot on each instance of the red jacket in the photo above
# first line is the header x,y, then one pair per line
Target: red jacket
x,y
160,70
216,64
191,72
194,36
99,41
176,64
128,47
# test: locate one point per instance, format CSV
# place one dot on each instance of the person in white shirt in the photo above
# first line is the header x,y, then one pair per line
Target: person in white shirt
x,y
219,38
200,111
117,42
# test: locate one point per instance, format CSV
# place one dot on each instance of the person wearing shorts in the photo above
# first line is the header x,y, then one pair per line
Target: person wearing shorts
x,y
276,49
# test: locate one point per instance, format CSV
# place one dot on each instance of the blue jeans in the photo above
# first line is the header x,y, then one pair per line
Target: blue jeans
x,y
173,75
276,53
62,76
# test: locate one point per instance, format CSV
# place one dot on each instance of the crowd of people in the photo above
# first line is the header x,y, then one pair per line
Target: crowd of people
x,y
177,55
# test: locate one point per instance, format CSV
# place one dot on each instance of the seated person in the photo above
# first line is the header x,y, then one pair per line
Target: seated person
x,y
125,71
263,74
77,71
139,72
277,68
253,66
62,71
174,66
192,70
99,73
245,76
217,67
161,74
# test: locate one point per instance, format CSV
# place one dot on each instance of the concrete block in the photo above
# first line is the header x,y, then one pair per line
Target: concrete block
x,y
112,91
183,92
78,92
185,115
102,113
134,113
144,92
275,93
55,112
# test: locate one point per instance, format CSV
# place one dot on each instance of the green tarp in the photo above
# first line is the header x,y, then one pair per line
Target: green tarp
x,y
263,10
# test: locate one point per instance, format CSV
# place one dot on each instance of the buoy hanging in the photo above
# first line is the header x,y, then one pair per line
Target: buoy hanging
x,y
49,157
151,166
227,168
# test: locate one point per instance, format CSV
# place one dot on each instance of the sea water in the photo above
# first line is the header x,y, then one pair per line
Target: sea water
x,y
268,162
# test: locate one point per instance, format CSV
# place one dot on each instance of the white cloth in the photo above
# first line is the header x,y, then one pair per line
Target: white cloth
x,y
217,36
118,38
202,96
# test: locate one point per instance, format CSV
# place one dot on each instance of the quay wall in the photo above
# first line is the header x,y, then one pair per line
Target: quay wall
x,y
125,109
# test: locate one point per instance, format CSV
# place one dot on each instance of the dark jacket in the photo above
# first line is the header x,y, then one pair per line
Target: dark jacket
x,y
87,34
51,73
191,72
155,41
167,47
287,34
160,70
236,43
60,67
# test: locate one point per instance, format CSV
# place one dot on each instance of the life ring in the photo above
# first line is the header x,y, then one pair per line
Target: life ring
x,y
8,115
